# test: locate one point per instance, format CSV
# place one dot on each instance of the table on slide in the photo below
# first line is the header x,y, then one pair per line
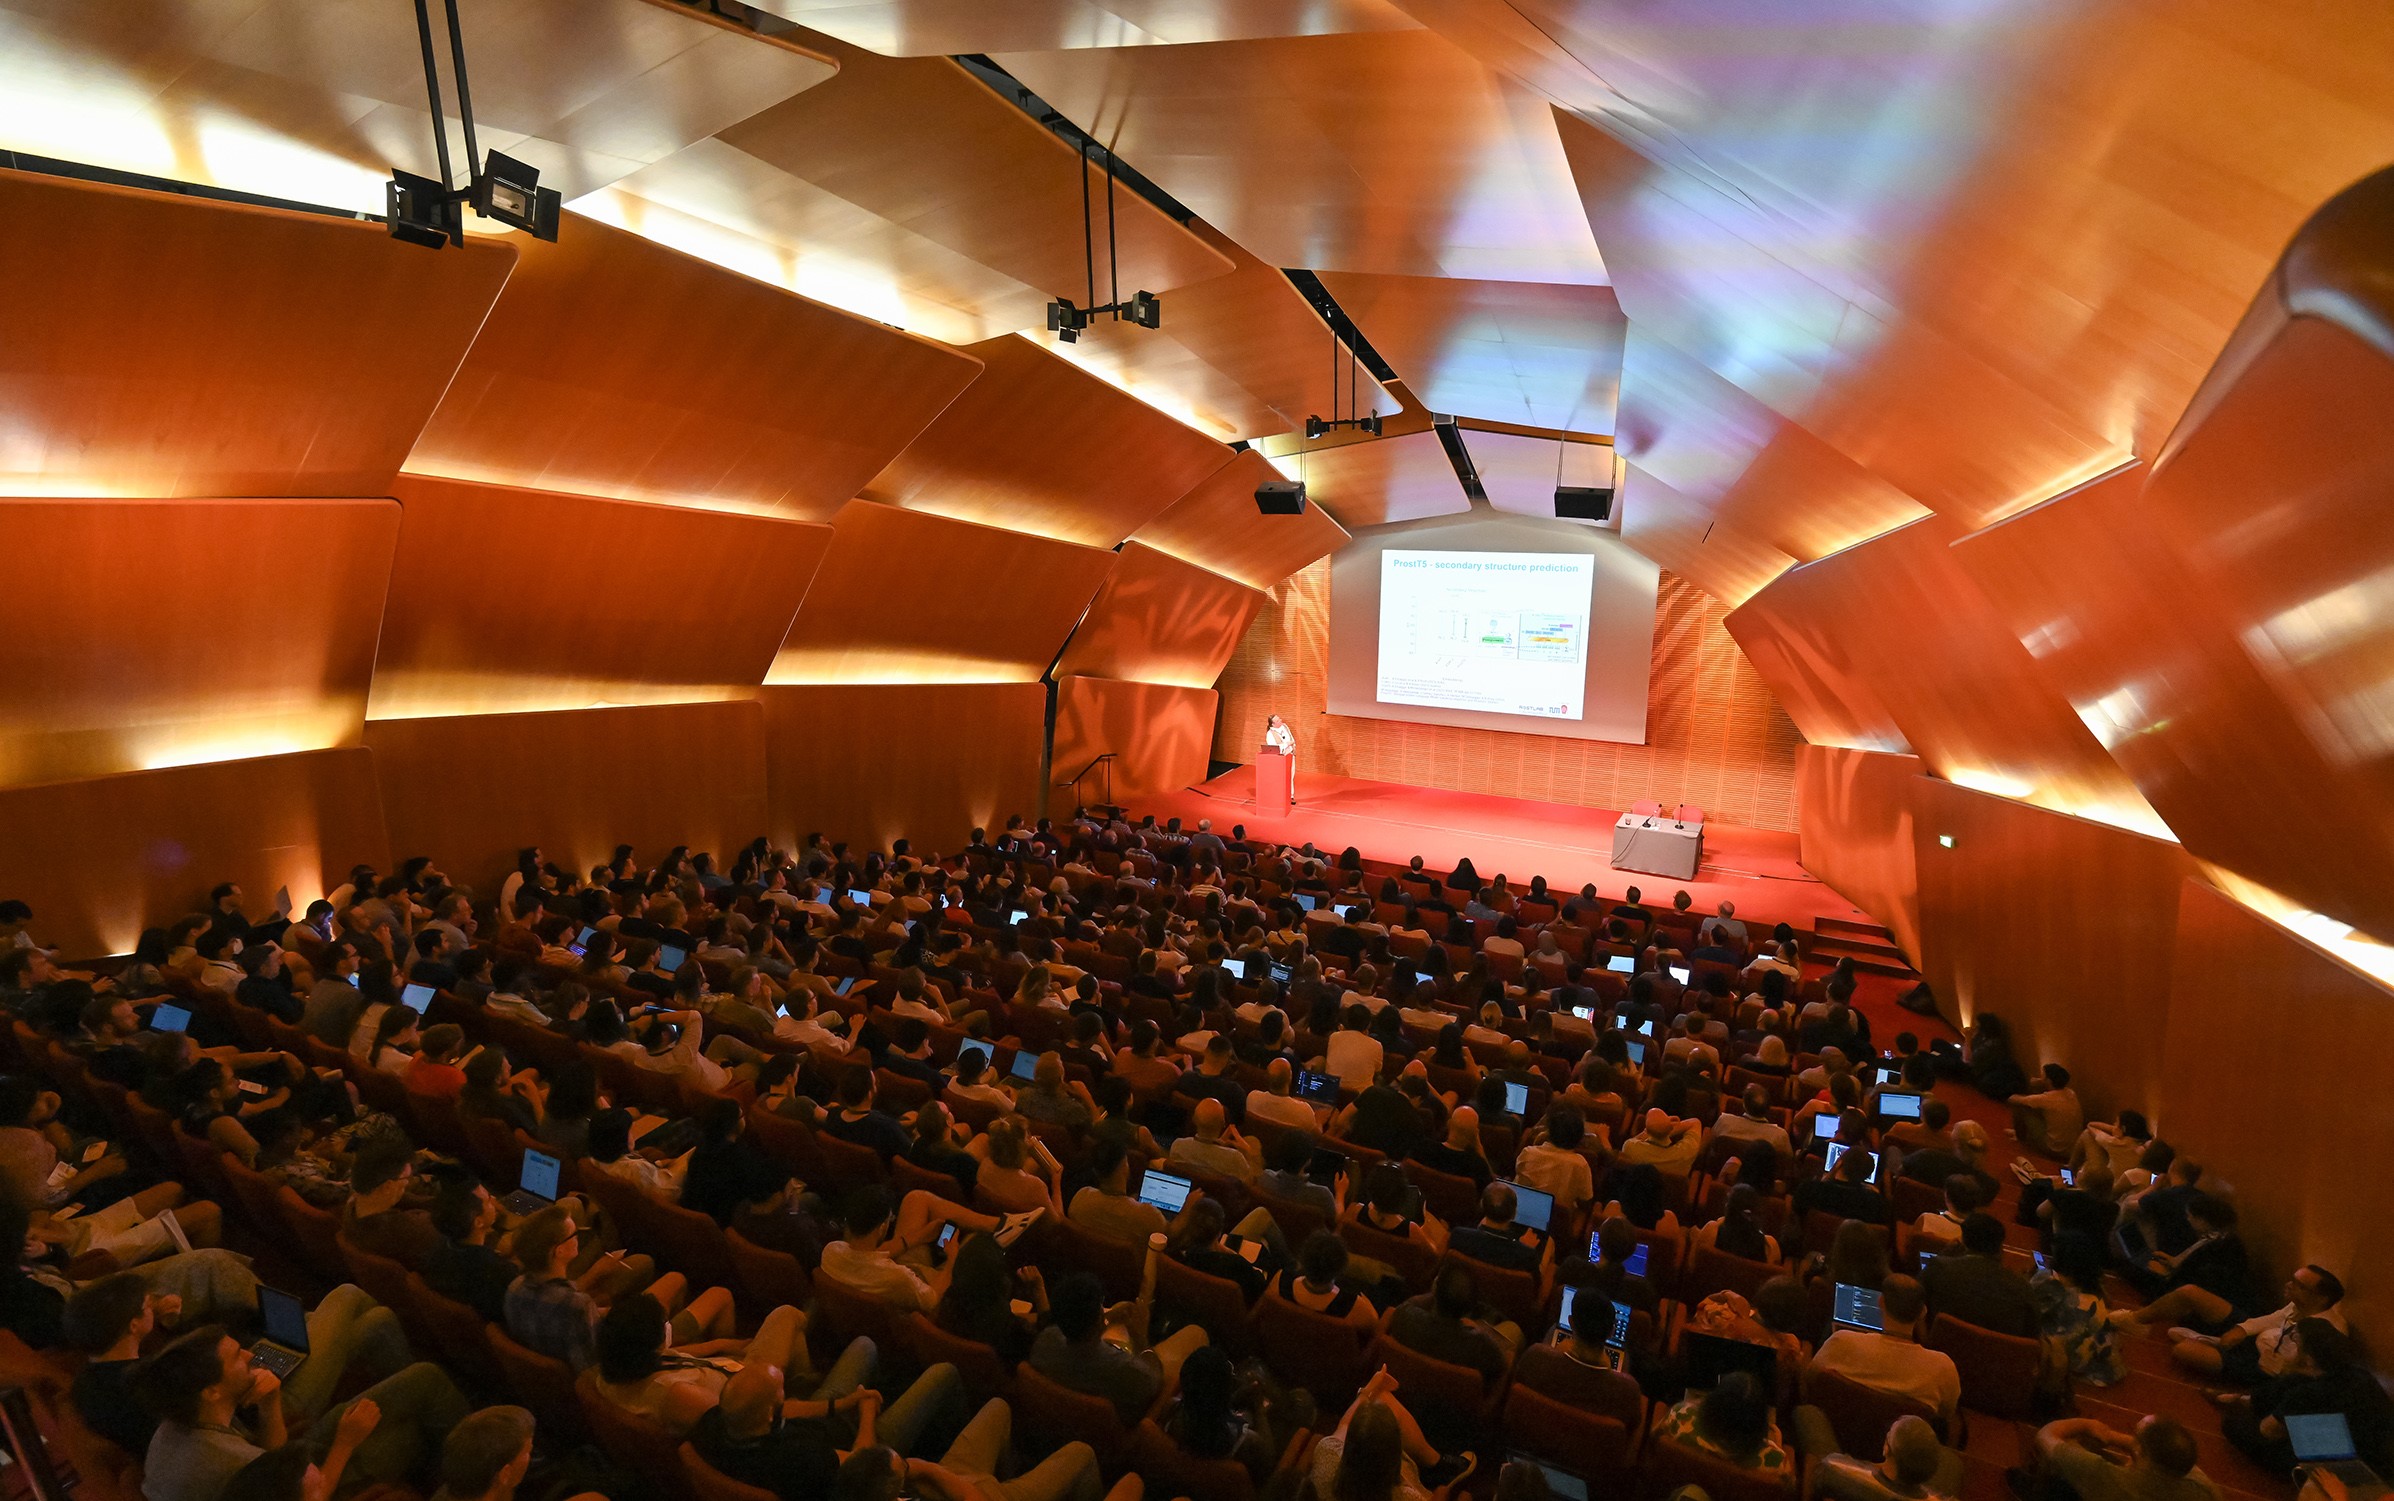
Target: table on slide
x,y
1658,846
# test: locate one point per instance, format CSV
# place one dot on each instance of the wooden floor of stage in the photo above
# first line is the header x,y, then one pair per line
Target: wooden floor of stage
x,y
1567,844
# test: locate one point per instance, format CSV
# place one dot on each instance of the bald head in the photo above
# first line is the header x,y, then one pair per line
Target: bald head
x,y
1463,1128
749,1398
1278,1076
1208,1120
1658,1124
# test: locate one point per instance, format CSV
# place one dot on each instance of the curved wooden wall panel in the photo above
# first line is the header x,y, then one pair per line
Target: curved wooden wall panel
x,y
622,603
470,790
1039,446
1854,831
1681,535
874,762
144,633
908,597
1216,526
181,347
616,367
1160,620
1915,634
100,859
1160,737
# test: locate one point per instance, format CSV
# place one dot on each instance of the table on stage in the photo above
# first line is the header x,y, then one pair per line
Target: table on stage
x,y
1658,846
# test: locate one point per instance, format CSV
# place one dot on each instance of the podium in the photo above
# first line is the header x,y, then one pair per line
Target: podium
x,y
1275,788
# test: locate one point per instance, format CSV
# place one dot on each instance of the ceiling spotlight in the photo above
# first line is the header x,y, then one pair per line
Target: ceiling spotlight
x,y
1066,321
1145,309
422,212
510,192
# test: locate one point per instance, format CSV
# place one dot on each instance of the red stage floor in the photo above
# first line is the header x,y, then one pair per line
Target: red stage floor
x,y
1755,868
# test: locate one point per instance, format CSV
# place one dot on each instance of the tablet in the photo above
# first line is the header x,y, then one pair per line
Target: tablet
x,y
1825,1124
860,898
1637,1051
1516,1098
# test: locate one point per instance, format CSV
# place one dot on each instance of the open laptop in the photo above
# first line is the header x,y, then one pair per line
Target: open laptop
x,y
843,985
1896,1105
1533,1208
1281,972
1825,1124
1516,1098
1888,1073
417,998
1679,973
538,1185
1237,968
671,959
974,1045
1637,1051
1025,1066
1635,1266
1305,900
581,943
1560,1484
1616,1338
1164,1192
1015,918
1857,1308
1838,1149
2324,1440
1318,1089
1621,964
860,898
1709,1357
170,1018
285,1343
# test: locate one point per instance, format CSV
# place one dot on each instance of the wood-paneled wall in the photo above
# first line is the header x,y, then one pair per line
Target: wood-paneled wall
x,y
1159,735
1160,620
1714,735
471,790
100,859
137,634
873,762
614,366
505,600
1854,831
154,345
910,597
1216,526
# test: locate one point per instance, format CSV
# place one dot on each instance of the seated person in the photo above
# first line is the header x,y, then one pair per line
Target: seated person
x,y
2206,1286
1319,1282
2082,1458
1500,1242
1731,1423
2263,1346
2325,1376
1941,1229
1447,1323
465,1266
1846,1192
2050,1120
553,1311
1017,1171
107,1320
1915,1467
1378,1453
982,1292
641,1371
1209,1420
1200,1243
200,1383
1972,1284
376,1219
1105,1207
1075,1353
486,1457
1894,1361
1609,1275
1739,1232
1459,1155
1215,1146
793,1448
1275,1104
891,1251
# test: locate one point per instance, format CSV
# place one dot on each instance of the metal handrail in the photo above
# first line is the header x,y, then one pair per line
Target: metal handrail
x,y
1075,782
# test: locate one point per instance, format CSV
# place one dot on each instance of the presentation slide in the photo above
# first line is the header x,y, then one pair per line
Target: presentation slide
x,y
1493,632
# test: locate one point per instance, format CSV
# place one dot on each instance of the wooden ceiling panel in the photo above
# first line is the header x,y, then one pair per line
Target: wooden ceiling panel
x,y
316,100
181,347
1406,478
136,634
618,368
1519,473
1538,354
908,597
1685,537
1038,446
469,629
1217,526
908,28
1160,620
1390,152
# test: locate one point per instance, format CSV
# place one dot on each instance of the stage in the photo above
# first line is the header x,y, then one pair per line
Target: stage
x,y
1569,845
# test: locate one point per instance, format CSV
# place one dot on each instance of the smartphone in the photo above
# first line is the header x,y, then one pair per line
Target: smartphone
x,y
252,1086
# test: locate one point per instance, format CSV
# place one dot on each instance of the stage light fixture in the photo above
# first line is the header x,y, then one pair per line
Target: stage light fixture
x,y
1281,497
1146,310
1066,321
422,212
510,192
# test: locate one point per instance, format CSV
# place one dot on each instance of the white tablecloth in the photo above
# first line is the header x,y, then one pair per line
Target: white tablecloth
x,y
1664,849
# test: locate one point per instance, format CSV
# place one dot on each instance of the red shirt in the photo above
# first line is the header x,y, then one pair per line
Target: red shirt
x,y
440,1081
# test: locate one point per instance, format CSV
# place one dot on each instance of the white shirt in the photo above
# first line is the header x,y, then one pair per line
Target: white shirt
x,y
1281,739
2273,1336
1281,1109
1896,1366
1355,1058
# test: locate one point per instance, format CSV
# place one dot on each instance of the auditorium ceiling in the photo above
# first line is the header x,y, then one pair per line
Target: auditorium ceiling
x,y
1829,290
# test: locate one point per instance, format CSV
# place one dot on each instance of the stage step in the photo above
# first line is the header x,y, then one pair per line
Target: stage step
x,y
1844,927
1869,956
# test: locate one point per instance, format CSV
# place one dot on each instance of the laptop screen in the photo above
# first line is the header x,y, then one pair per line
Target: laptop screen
x,y
1026,1064
285,1317
1015,920
1237,968
2319,1437
1281,972
1621,964
1899,1107
860,898
1857,1308
1617,1335
169,1018
1516,1098
581,942
1533,1208
1637,1050
1635,1266
1679,973
843,985
540,1175
1890,1074
416,998
973,1046
1305,900
671,959
1838,1149
1825,1124
1322,1088
1163,1191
